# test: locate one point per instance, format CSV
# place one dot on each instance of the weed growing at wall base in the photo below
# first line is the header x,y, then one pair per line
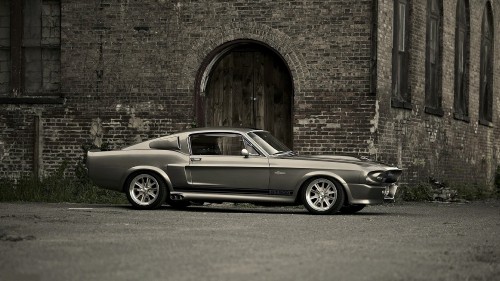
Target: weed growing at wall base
x,y
56,188
421,192
497,179
428,192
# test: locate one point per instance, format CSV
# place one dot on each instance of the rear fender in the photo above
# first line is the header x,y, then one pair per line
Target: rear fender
x,y
155,170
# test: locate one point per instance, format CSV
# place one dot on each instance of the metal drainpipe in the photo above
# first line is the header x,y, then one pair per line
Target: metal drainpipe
x,y
37,149
374,47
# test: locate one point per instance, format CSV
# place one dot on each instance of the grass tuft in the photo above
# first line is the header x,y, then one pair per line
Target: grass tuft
x,y
419,192
425,192
57,187
497,179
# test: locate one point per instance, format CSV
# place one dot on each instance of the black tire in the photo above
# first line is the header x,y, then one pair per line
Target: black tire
x,y
146,191
322,196
351,209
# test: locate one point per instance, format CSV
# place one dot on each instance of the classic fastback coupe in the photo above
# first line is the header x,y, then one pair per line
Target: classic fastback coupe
x,y
239,165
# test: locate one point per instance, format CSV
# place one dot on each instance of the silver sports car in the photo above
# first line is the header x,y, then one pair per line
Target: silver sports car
x,y
239,165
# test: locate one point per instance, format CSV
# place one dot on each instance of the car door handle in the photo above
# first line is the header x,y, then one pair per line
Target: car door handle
x,y
196,159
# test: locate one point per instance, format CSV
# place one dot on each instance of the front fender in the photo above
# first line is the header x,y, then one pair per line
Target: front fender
x,y
328,174
156,170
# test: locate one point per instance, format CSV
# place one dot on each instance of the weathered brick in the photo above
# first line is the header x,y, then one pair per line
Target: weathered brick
x,y
128,73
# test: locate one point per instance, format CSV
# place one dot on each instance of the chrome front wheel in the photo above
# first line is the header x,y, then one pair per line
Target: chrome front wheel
x,y
146,191
322,196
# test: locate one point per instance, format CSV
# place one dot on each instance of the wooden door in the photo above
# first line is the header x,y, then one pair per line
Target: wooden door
x,y
251,87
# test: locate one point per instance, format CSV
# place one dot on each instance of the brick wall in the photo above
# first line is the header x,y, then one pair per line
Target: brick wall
x,y
426,145
129,68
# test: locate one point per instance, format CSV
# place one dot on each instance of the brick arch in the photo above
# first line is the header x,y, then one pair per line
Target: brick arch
x,y
216,42
220,51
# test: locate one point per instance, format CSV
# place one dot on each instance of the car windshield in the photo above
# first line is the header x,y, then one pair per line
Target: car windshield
x,y
268,142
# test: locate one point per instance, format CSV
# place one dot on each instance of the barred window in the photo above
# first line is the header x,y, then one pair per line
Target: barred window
x,y
4,47
30,32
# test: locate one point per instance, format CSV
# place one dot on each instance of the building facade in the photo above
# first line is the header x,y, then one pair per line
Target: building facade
x,y
413,83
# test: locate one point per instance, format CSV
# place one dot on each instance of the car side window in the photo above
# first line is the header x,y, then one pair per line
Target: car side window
x,y
217,144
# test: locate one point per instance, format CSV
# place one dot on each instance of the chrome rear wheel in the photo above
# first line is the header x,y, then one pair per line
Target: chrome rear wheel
x,y
146,191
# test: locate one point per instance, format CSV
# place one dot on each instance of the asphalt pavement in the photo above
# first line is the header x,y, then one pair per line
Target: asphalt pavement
x,y
410,241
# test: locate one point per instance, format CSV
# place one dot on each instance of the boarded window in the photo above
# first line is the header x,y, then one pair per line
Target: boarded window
x,y
486,71
400,92
461,102
433,96
33,62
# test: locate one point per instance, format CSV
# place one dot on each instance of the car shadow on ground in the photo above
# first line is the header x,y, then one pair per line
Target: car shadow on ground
x,y
248,209
263,210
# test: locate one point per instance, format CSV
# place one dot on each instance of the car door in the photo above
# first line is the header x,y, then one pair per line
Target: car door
x,y
216,165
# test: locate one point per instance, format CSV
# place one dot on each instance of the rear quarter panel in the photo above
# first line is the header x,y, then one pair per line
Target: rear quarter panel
x,y
110,169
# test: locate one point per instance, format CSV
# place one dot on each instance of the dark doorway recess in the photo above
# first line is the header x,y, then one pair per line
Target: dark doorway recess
x,y
249,86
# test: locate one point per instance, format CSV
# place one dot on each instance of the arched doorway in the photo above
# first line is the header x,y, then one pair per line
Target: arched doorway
x,y
249,85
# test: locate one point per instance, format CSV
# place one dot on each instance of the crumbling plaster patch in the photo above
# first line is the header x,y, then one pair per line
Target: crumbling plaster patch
x,y
2,150
134,122
374,122
96,132
372,149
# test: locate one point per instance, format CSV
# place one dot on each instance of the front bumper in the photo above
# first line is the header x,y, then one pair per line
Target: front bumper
x,y
371,195
390,193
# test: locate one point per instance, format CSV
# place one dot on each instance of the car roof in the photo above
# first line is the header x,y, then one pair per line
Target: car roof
x,y
218,129
185,133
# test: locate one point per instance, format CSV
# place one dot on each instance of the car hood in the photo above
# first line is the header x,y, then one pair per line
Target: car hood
x,y
333,158
362,161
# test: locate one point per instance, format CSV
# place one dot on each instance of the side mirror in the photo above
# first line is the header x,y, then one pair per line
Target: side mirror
x,y
245,153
